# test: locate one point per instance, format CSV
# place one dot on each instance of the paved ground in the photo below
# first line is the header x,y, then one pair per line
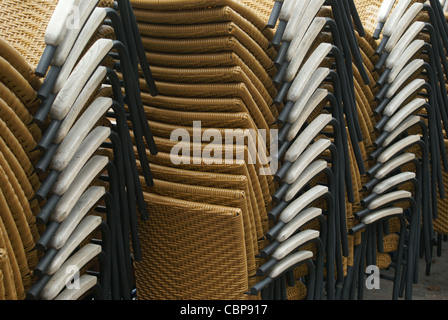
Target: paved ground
x,y
433,287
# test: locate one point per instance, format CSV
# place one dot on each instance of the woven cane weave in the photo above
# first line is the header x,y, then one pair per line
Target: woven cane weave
x,y
441,223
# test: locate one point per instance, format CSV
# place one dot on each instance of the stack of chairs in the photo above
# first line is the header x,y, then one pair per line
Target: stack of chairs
x,y
88,191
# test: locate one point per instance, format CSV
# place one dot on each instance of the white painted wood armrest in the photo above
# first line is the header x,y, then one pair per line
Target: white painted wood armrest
x,y
400,97
297,15
403,43
307,136
384,12
82,231
79,131
93,83
393,181
85,151
80,75
301,23
393,164
289,262
96,19
302,202
389,198
400,116
294,242
305,160
407,55
85,177
299,221
390,152
309,173
314,82
307,71
64,48
395,16
86,282
404,75
403,25
287,9
381,214
61,278
405,125
318,96
57,26
79,211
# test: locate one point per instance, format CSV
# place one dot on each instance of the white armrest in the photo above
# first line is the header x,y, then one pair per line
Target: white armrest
x,y
82,207
82,231
307,71
385,185
384,11
80,130
61,278
85,177
307,136
405,93
309,173
96,19
80,75
405,125
289,262
395,16
57,26
293,243
389,198
392,150
404,23
394,164
381,214
407,55
318,96
86,282
93,83
287,9
299,221
305,159
302,202
404,113
85,151
315,81
72,33
404,75
297,16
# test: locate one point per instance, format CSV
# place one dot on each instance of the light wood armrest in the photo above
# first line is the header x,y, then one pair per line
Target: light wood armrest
x,y
401,115
57,26
393,181
309,173
299,221
289,262
394,164
406,92
86,282
293,243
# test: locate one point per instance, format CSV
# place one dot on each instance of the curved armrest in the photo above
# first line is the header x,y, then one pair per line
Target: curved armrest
x,y
300,203
407,55
72,33
404,42
80,75
402,114
397,147
93,83
314,82
389,198
318,96
395,17
85,177
384,12
96,19
305,159
80,130
61,278
299,221
405,125
82,231
393,181
293,243
301,23
57,26
406,92
295,19
307,71
381,214
86,282
287,9
403,25
307,136
79,211
289,262
85,151
309,173
393,164
403,76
